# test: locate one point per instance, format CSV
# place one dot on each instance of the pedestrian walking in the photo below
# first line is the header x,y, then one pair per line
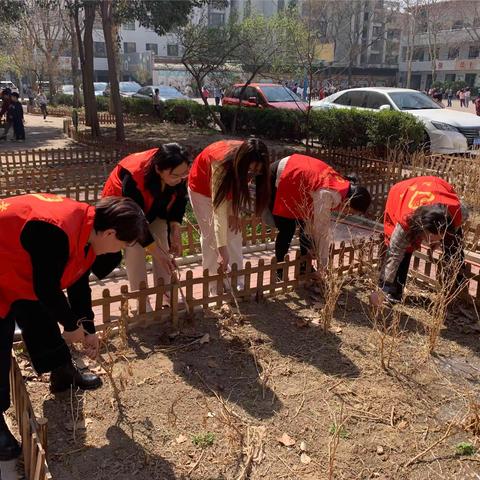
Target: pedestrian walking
x,y
449,97
461,97
6,101
42,102
217,95
157,103
467,97
15,116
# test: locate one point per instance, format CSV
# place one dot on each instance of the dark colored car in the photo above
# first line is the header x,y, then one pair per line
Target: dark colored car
x,y
264,95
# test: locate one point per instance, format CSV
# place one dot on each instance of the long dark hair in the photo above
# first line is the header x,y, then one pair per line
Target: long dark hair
x,y
234,177
434,219
168,157
359,197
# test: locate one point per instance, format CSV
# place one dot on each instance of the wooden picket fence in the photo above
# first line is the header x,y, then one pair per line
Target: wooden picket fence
x,y
33,431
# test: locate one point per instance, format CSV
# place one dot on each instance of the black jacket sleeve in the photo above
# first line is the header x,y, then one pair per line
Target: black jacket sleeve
x,y
130,189
177,211
48,248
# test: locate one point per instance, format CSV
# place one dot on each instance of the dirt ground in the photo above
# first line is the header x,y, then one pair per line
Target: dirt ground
x,y
162,132
274,397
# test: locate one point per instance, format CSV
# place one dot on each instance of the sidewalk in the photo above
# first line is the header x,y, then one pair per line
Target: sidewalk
x,y
341,232
39,133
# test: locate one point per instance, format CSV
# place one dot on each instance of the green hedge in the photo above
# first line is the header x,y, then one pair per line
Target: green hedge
x,y
330,127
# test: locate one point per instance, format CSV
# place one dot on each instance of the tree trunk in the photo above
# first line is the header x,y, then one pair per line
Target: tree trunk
x,y
88,90
81,56
76,79
111,45
51,64
214,117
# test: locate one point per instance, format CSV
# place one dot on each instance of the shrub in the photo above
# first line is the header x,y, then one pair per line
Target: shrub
x,y
363,128
62,99
137,106
187,111
271,123
102,103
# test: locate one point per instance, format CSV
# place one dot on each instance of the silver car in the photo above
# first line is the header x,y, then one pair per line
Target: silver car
x,y
448,131
166,93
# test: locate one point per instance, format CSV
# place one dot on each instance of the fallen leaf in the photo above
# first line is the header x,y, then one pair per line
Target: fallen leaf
x,y
380,450
337,330
286,440
402,424
305,459
210,414
181,439
205,339
303,446
318,305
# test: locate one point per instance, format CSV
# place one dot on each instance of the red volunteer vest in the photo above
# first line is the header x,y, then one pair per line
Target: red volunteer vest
x,y
74,218
406,196
301,176
137,165
200,176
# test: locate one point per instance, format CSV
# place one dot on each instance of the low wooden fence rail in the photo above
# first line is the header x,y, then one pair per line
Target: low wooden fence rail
x,y
33,431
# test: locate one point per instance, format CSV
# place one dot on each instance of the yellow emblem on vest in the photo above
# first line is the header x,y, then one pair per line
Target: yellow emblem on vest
x,y
53,198
420,198
3,206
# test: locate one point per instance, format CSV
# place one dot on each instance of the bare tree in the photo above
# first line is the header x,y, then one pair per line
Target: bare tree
x,y
205,50
45,24
109,32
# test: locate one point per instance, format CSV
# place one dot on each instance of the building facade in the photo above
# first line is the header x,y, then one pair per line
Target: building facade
x,y
443,45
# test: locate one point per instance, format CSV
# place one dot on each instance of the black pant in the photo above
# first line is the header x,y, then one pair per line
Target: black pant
x,y
19,129
41,336
452,248
43,109
286,230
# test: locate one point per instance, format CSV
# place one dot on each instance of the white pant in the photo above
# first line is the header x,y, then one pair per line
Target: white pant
x,y
203,210
135,258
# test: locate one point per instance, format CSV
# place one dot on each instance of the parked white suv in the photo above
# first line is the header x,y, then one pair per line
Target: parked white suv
x,y
449,131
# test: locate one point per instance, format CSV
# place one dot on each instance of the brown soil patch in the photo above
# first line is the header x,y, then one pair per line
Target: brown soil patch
x,y
263,400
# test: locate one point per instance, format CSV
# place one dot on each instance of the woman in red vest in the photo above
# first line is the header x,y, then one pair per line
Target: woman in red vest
x,y
155,180
305,191
421,209
219,188
48,244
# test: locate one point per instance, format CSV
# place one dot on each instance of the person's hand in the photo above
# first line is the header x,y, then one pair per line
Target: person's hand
x,y
91,345
223,258
175,239
234,223
77,336
377,298
163,258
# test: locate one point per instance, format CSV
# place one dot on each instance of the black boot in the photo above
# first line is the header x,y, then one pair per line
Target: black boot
x,y
68,375
9,447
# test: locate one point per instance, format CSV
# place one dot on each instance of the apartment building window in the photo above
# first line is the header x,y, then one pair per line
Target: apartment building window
x,y
129,26
391,59
404,54
453,53
473,51
476,22
375,58
99,50
172,50
470,79
281,5
418,54
393,34
152,47
458,25
450,77
216,19
377,31
129,47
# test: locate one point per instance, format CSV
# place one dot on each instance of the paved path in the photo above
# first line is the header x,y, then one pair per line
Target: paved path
x,y
39,133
